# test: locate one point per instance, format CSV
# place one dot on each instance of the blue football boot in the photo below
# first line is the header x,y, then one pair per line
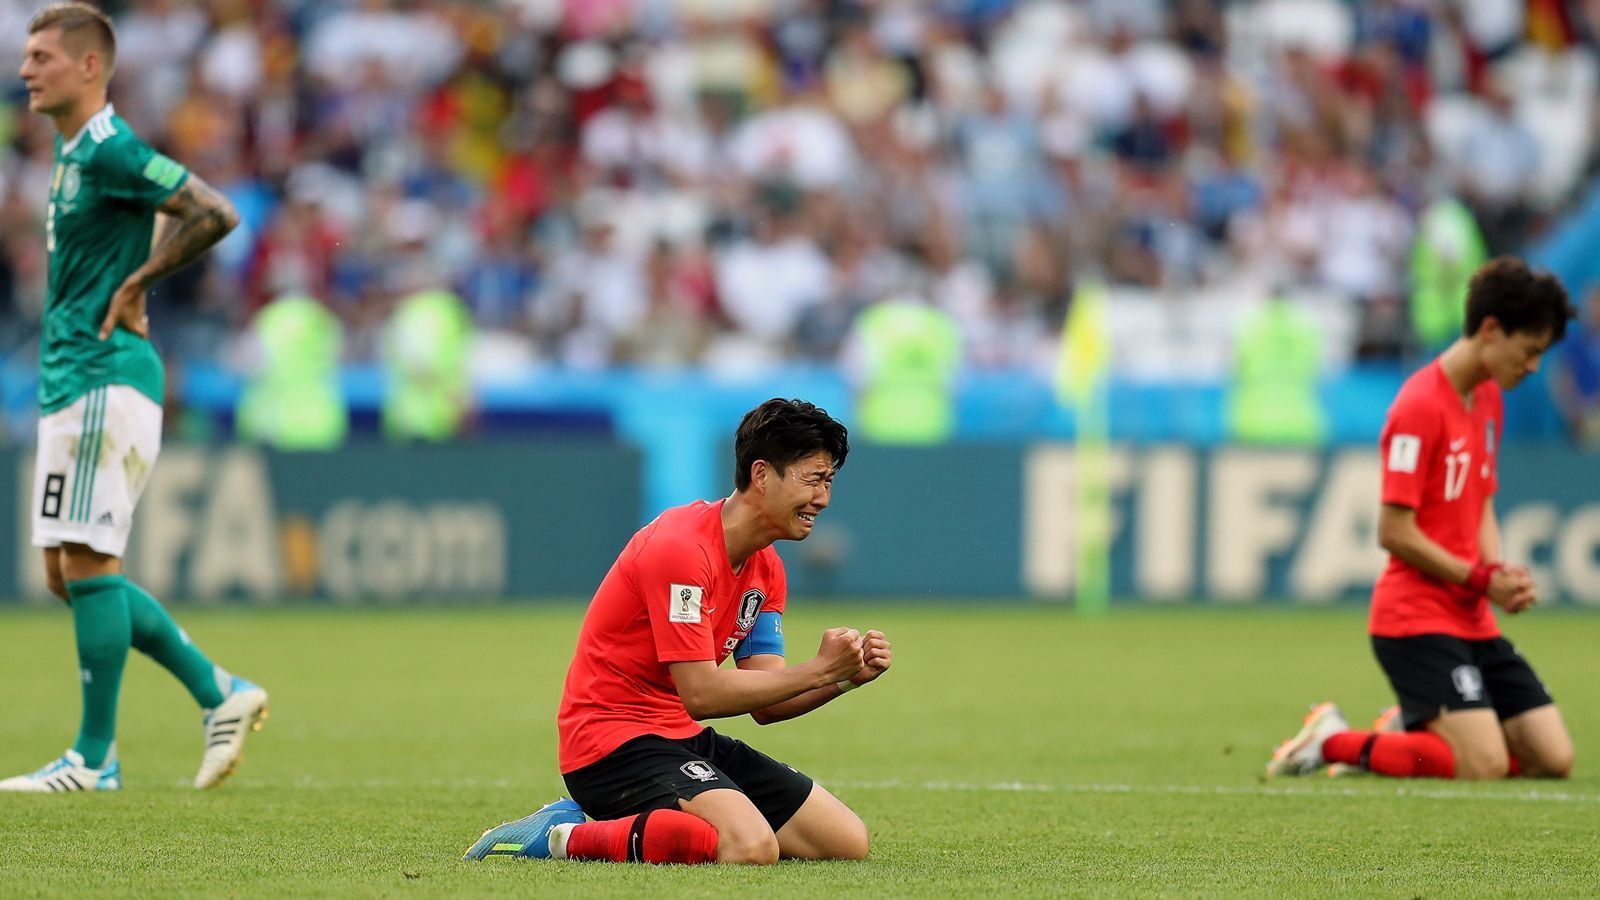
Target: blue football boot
x,y
529,836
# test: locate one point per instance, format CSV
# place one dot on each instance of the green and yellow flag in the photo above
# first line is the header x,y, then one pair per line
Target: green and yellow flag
x,y
1082,375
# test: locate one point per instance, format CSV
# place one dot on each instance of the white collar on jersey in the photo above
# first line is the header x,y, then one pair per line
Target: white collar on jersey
x,y
104,115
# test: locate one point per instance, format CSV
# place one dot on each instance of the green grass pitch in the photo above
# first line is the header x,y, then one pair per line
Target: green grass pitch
x,y
1013,750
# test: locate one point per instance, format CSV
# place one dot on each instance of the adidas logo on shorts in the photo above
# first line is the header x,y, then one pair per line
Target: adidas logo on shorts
x,y
105,519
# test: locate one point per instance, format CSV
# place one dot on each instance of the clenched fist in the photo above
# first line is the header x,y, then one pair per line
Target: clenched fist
x,y
876,657
839,657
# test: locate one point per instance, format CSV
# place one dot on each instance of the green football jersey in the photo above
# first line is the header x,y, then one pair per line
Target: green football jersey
x,y
104,191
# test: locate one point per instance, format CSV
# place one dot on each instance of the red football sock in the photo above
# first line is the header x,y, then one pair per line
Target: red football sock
x,y
657,836
1514,769
1412,754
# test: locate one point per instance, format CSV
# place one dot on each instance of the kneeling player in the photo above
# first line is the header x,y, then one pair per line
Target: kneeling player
x,y
699,583
1470,706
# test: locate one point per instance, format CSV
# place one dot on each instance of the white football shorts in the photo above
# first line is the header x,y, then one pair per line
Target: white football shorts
x,y
94,460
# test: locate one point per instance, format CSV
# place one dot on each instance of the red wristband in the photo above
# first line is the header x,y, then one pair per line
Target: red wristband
x,y
1478,579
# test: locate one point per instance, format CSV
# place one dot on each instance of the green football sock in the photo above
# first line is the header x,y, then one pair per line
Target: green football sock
x,y
100,621
157,636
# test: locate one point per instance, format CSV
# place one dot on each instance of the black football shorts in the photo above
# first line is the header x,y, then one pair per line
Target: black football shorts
x,y
1435,672
652,772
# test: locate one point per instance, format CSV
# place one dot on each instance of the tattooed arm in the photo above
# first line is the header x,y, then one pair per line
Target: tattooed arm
x,y
189,222
158,234
197,217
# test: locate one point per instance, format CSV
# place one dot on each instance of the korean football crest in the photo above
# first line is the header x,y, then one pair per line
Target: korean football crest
x,y
749,605
699,770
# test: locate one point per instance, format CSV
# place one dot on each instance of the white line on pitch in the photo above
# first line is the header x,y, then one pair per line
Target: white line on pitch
x,y
1022,787
1527,795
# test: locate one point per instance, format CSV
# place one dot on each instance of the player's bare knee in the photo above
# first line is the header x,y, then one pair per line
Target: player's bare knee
x,y
1551,769
756,848
1550,764
1560,766
1483,765
852,840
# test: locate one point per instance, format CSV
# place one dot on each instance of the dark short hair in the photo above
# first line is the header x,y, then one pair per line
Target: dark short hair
x,y
79,22
1520,299
783,432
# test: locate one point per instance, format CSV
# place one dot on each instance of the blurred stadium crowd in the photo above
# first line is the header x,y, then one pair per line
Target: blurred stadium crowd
x,y
668,182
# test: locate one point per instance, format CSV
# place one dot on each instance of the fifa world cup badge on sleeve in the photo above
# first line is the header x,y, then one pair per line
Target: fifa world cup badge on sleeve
x,y
685,600
1403,452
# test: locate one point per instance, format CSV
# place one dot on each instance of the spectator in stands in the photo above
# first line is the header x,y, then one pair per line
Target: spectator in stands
x,y
767,281
982,150
1499,160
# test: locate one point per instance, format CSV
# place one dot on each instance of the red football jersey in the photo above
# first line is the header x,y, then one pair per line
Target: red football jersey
x,y
1438,459
670,597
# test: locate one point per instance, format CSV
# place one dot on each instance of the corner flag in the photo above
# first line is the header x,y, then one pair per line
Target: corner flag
x,y
1081,385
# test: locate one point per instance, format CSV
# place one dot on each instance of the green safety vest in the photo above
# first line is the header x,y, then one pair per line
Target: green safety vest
x,y
294,402
425,356
1448,250
913,354
1273,397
